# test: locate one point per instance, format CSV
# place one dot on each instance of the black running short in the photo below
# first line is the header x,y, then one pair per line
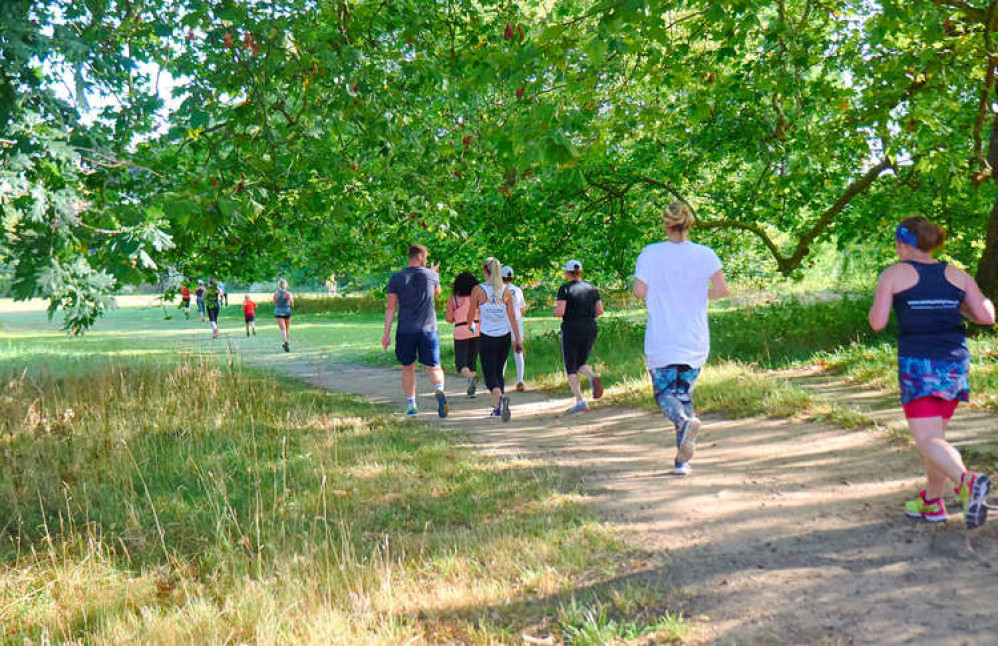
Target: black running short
x,y
575,351
466,354
213,314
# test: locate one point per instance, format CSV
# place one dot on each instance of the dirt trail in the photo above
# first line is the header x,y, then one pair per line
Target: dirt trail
x,y
786,532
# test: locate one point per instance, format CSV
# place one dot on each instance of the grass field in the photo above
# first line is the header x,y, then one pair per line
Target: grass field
x,y
154,493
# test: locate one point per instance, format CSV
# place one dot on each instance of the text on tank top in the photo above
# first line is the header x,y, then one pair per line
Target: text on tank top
x,y
929,322
495,321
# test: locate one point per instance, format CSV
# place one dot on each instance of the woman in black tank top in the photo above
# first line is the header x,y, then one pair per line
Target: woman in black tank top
x,y
929,298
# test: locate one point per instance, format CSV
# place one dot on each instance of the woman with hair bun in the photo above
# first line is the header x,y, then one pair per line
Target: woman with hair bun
x,y
929,298
676,278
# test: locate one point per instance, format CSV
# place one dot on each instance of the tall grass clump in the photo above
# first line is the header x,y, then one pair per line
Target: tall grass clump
x,y
192,503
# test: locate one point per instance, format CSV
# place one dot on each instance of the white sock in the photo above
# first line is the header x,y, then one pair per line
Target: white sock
x,y
518,357
438,388
410,402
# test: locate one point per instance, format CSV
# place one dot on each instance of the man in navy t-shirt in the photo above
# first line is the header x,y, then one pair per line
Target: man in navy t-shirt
x,y
411,292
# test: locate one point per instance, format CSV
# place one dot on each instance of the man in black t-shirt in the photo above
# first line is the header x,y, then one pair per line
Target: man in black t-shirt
x,y
578,306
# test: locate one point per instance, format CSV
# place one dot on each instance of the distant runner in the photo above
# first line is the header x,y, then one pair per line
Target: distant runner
x,y
284,301
411,292
249,313
676,278
578,306
520,308
199,294
466,337
928,297
498,321
212,301
185,300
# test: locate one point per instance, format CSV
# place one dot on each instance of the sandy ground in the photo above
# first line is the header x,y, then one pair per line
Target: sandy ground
x,y
786,533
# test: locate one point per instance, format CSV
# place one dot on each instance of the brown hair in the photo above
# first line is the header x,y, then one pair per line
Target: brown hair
x,y
930,235
417,250
678,217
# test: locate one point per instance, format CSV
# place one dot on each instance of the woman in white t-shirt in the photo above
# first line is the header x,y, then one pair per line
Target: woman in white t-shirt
x,y
494,302
676,279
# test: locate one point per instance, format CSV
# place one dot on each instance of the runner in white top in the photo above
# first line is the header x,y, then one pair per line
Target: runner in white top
x,y
498,325
519,308
676,278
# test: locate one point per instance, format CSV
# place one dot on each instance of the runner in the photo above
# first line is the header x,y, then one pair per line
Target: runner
x,y
212,301
223,290
676,278
411,293
284,301
185,300
578,306
199,294
520,307
928,297
249,313
495,302
465,336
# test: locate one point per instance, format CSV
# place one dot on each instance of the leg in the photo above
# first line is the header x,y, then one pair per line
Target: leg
x,y
573,383
942,460
287,330
569,356
518,359
409,381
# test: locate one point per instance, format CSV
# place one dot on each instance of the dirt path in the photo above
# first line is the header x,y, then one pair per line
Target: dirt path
x,y
785,533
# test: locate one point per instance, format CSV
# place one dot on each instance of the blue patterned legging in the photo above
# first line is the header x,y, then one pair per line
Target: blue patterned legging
x,y
673,386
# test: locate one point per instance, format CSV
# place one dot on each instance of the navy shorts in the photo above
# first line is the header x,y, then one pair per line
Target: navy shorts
x,y
424,344
251,319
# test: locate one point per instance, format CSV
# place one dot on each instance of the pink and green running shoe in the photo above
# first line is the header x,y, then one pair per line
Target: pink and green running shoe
x,y
933,511
973,495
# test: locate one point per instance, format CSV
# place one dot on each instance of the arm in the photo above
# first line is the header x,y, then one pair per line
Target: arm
x,y
476,299
977,307
880,311
393,301
436,270
449,316
718,286
291,299
640,288
511,315
559,308
599,309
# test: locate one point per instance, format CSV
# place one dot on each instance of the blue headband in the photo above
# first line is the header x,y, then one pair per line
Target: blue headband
x,y
903,234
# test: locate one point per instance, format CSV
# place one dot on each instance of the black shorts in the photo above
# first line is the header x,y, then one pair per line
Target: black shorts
x,y
186,302
213,314
575,350
250,319
286,317
466,354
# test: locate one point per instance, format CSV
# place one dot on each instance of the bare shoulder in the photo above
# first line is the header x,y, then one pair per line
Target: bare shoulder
x,y
958,277
899,277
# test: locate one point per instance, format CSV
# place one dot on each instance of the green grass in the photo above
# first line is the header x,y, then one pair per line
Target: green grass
x,y
191,502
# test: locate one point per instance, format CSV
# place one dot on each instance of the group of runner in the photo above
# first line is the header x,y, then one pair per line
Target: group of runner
x,y
211,297
677,278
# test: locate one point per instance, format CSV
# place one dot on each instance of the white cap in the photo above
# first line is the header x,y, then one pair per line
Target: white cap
x,y
573,265
507,272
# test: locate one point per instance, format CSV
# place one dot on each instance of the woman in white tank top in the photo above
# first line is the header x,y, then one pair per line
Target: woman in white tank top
x,y
494,304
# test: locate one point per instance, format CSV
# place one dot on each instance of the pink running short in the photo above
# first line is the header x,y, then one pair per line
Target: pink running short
x,y
930,407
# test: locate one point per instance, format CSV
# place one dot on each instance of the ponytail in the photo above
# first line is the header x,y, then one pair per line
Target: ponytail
x,y
494,269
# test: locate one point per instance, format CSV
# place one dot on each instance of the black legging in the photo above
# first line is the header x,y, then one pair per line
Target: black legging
x,y
493,352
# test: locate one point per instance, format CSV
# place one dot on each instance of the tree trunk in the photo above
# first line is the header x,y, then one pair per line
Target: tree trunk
x,y
987,270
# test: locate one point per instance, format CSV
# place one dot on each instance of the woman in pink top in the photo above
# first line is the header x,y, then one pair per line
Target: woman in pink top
x,y
465,336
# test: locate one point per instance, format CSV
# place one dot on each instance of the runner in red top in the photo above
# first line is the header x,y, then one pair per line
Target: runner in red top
x,y
249,311
185,301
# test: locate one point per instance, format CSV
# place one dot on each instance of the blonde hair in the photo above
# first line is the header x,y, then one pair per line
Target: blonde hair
x,y
282,284
494,269
678,217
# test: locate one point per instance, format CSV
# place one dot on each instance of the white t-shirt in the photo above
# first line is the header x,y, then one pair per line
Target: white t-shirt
x,y
678,278
519,303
